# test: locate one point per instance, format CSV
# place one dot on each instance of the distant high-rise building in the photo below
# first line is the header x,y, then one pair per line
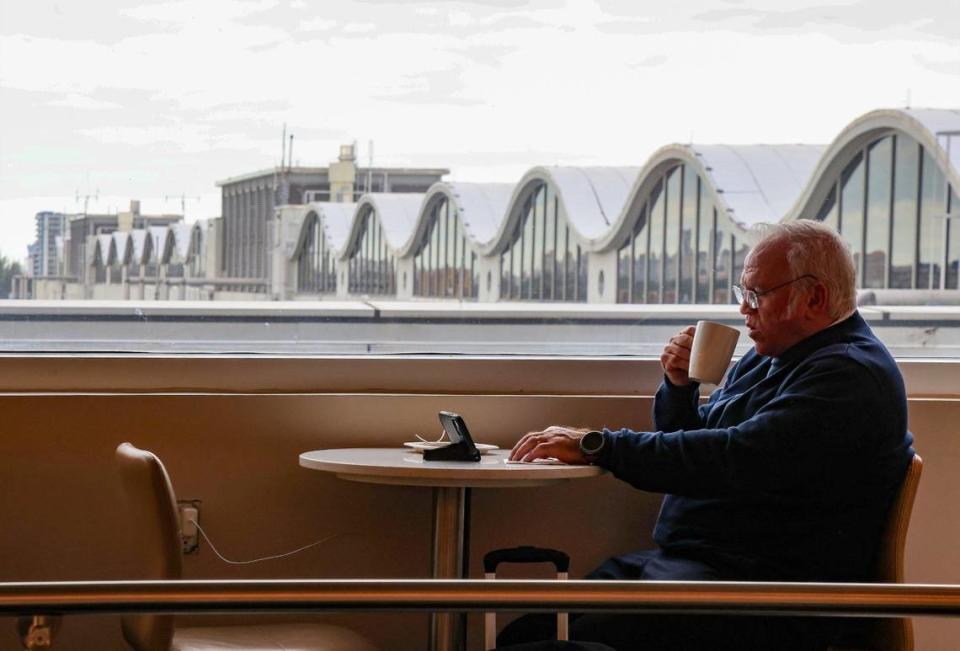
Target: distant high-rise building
x,y
43,255
248,202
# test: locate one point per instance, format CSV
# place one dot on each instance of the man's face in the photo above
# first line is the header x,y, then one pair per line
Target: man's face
x,y
773,327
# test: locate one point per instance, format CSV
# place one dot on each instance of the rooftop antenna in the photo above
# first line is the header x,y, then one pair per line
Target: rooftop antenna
x,y
290,153
183,201
86,199
908,98
356,183
370,168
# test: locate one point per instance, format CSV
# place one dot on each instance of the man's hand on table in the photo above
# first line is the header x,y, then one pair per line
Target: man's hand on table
x,y
675,358
557,441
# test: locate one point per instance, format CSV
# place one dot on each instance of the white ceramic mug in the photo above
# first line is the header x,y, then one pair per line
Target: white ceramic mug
x,y
713,345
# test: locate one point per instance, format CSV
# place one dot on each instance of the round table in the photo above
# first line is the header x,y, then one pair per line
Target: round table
x,y
451,482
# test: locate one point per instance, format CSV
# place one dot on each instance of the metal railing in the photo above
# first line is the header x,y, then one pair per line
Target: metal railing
x,y
751,598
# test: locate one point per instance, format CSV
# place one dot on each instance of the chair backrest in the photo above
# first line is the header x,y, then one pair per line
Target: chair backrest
x,y
896,634
153,522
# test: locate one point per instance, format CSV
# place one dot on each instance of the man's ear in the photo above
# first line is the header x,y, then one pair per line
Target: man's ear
x,y
819,300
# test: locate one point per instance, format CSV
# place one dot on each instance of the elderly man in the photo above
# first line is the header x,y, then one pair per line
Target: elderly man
x,y
785,474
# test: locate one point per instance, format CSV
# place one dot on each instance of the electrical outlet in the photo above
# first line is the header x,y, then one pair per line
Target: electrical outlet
x,y
189,512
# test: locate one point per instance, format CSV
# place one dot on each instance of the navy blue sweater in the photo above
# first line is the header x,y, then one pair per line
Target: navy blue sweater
x,y
788,471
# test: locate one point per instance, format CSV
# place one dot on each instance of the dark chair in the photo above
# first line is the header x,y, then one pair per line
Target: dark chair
x,y
154,522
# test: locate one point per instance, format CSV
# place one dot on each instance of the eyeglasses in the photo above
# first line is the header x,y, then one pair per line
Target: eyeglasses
x,y
752,298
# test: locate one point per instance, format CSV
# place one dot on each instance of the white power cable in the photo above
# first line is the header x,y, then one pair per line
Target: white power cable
x,y
257,560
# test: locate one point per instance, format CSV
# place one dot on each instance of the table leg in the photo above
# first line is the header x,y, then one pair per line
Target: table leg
x,y
448,631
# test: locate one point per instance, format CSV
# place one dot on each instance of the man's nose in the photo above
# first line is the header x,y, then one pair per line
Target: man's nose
x,y
745,308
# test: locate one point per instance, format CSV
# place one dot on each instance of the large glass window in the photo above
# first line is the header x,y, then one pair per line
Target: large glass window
x,y
444,264
655,252
723,259
704,244
953,243
675,252
851,209
688,236
539,235
641,242
371,263
545,260
550,245
315,272
932,227
623,271
671,252
905,195
526,259
879,200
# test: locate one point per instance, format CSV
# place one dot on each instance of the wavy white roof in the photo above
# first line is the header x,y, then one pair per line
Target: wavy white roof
x,y
481,207
121,243
182,233
138,237
944,126
759,183
336,219
103,244
158,244
593,197
395,212
938,130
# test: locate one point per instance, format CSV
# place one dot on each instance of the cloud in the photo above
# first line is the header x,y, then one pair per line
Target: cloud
x,y
187,12
83,103
154,98
435,87
648,62
949,66
860,19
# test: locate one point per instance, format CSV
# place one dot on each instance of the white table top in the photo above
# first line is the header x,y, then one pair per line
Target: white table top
x,y
405,467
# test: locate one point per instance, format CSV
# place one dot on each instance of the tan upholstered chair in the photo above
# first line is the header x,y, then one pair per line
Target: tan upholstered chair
x,y
894,634
153,520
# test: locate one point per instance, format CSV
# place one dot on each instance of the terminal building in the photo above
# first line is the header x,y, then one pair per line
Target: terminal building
x,y
674,230
249,203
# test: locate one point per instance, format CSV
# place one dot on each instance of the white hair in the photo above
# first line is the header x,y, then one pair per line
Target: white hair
x,y
818,250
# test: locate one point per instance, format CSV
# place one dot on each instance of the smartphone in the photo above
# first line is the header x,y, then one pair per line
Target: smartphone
x,y
456,429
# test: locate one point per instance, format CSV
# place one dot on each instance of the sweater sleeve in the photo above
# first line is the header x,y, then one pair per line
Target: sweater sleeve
x,y
675,408
828,412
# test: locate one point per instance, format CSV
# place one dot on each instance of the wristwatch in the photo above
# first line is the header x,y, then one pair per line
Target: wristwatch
x,y
592,444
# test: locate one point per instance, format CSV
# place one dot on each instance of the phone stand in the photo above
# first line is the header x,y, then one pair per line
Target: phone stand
x,y
459,451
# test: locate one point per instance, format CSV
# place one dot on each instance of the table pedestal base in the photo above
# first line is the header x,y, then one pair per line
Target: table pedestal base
x,y
451,522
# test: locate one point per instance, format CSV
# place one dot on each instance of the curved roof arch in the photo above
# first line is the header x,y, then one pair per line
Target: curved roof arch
x,y
122,247
750,183
103,250
179,240
160,244
335,221
141,246
591,197
480,206
938,130
395,212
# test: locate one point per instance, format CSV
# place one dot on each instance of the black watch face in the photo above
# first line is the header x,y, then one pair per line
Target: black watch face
x,y
592,442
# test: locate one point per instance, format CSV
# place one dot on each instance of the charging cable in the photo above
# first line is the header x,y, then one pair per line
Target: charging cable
x,y
257,560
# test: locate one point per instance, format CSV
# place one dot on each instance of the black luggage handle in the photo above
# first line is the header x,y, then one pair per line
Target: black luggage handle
x,y
525,554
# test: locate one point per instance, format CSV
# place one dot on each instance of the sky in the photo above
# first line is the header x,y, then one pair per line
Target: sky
x,y
108,101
